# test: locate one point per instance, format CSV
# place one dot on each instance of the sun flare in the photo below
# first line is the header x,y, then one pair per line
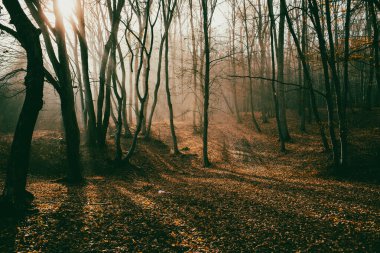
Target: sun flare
x,y
66,7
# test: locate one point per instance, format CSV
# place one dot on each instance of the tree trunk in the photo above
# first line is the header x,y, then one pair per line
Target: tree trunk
x,y
89,105
156,88
80,85
313,6
148,52
249,61
119,105
127,131
14,192
234,92
263,86
274,92
280,76
105,75
170,106
70,123
195,66
308,80
168,12
339,97
343,128
206,162
375,43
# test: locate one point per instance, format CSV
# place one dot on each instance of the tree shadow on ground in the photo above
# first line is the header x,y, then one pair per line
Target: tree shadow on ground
x,y
229,220
8,231
66,224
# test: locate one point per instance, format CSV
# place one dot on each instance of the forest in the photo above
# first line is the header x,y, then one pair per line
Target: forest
x,y
189,126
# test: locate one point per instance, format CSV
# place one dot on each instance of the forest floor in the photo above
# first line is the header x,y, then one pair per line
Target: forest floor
x,y
253,198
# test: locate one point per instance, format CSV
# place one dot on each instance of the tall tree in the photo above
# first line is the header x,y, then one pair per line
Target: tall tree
x,y
168,12
280,76
145,53
14,192
105,73
273,56
67,100
63,85
206,86
248,47
89,105
233,56
308,79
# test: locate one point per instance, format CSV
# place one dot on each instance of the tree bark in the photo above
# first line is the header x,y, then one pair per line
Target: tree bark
x,y
195,66
280,76
249,63
313,6
91,124
274,92
72,133
206,162
156,88
234,92
308,79
14,192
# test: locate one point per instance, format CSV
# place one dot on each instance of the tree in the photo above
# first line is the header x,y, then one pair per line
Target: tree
x,y
168,12
248,47
144,53
14,193
89,105
206,81
194,65
314,11
63,85
274,92
233,56
308,79
280,76
105,73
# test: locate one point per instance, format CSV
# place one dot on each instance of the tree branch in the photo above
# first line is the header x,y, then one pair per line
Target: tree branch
x,y
274,80
10,31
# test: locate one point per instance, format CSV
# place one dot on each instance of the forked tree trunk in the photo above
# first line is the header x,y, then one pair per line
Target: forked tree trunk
x,y
148,26
105,77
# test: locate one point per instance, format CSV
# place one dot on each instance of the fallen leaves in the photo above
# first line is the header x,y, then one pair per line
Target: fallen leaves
x,y
272,203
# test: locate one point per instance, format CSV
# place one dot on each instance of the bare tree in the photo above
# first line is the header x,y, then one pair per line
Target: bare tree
x,y
206,87
168,12
14,192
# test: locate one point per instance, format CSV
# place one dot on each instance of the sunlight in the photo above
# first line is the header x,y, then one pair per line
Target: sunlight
x,y
66,8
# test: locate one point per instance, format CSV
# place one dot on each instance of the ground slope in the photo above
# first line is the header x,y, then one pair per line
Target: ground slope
x,y
252,199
